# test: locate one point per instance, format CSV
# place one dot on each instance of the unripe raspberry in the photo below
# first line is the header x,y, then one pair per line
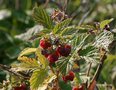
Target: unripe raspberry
x,y
64,50
52,58
45,44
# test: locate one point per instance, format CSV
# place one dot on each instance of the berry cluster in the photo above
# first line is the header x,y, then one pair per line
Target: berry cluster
x,y
51,53
68,77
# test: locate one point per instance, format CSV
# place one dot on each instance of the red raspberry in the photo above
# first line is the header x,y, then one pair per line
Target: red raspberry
x,y
44,44
67,49
45,53
64,50
64,79
72,75
22,87
69,77
52,58
61,50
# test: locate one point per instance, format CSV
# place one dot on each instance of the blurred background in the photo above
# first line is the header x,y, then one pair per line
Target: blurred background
x,y
17,26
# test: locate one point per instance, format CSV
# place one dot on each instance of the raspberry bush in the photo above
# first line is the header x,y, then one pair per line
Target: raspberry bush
x,y
64,55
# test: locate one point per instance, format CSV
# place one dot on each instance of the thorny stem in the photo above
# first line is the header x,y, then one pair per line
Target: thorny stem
x,y
57,79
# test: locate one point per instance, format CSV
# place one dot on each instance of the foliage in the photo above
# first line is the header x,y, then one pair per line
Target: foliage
x,y
89,44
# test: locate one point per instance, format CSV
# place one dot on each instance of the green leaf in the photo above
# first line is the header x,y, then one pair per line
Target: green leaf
x,y
34,32
48,83
41,16
85,28
105,22
79,41
29,63
27,51
41,58
68,30
78,78
62,66
89,53
65,86
103,40
61,25
37,78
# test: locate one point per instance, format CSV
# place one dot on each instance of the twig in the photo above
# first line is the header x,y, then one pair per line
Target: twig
x,y
46,3
65,5
52,69
89,68
84,17
6,68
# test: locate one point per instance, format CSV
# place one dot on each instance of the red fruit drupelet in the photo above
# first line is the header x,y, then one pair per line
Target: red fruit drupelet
x,y
69,77
64,50
45,44
53,58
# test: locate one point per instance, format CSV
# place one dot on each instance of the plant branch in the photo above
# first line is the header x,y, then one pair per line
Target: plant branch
x,y
89,68
8,69
52,69
46,3
99,68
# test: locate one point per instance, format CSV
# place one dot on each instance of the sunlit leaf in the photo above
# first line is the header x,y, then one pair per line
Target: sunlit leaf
x,y
27,51
41,16
89,27
47,83
61,25
37,78
89,53
103,40
34,32
41,58
62,65
68,30
105,22
29,63
78,77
